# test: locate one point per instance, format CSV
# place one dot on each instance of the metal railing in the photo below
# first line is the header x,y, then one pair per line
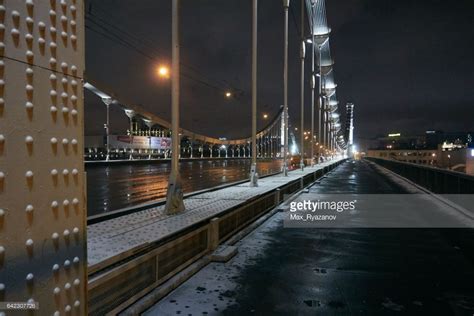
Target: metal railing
x,y
436,180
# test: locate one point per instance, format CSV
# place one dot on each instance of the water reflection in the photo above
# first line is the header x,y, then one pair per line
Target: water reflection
x,y
114,187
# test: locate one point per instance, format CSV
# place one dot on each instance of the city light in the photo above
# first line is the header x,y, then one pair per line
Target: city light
x,y
228,94
163,72
265,116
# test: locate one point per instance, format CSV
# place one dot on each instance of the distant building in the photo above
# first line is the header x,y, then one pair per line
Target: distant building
x,y
453,151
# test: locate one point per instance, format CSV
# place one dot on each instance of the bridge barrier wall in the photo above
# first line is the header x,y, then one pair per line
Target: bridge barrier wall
x,y
436,180
114,288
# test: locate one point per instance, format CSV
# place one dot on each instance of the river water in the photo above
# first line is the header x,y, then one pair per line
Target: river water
x,y
112,187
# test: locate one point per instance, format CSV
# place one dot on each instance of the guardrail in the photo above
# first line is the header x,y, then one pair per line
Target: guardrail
x,y
436,180
114,288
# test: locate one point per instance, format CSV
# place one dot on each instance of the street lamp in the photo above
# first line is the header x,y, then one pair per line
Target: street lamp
x,y
163,72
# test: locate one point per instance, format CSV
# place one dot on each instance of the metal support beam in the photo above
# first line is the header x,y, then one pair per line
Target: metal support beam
x,y
174,196
286,4
253,166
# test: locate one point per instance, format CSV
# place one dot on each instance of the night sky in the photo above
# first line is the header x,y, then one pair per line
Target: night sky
x,y
407,65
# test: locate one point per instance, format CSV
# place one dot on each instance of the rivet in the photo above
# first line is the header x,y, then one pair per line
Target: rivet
x,y
74,70
53,109
56,291
53,93
29,38
29,140
15,33
52,14
2,287
53,78
67,264
76,261
41,42
73,24
64,97
74,112
65,172
67,286
53,47
66,204
66,232
29,4
2,139
64,19
56,313
54,204
29,88
29,243
29,55
65,110
77,304
77,282
29,106
75,172
29,174
75,230
67,309
2,176
54,141
52,62
2,250
64,35
64,82
54,172
55,267
65,141
64,66
41,27
29,208
2,213
73,39
29,277
74,83
74,142
73,99
55,236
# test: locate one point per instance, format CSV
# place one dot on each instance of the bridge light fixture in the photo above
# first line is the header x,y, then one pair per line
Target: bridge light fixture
x,y
265,116
163,72
228,94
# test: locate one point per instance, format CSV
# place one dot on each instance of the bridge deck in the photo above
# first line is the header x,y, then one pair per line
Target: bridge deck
x,y
112,240
336,271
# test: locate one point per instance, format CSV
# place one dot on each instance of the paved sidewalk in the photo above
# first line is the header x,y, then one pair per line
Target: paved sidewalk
x,y
108,241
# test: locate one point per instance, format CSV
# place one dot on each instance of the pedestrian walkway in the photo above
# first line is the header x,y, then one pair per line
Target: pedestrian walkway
x,y
336,271
115,239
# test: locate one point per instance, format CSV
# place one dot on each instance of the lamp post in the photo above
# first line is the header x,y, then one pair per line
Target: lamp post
x,y
253,166
302,56
174,196
286,4
107,102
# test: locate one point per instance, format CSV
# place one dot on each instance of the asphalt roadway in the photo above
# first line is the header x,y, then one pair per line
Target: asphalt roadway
x,y
336,271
